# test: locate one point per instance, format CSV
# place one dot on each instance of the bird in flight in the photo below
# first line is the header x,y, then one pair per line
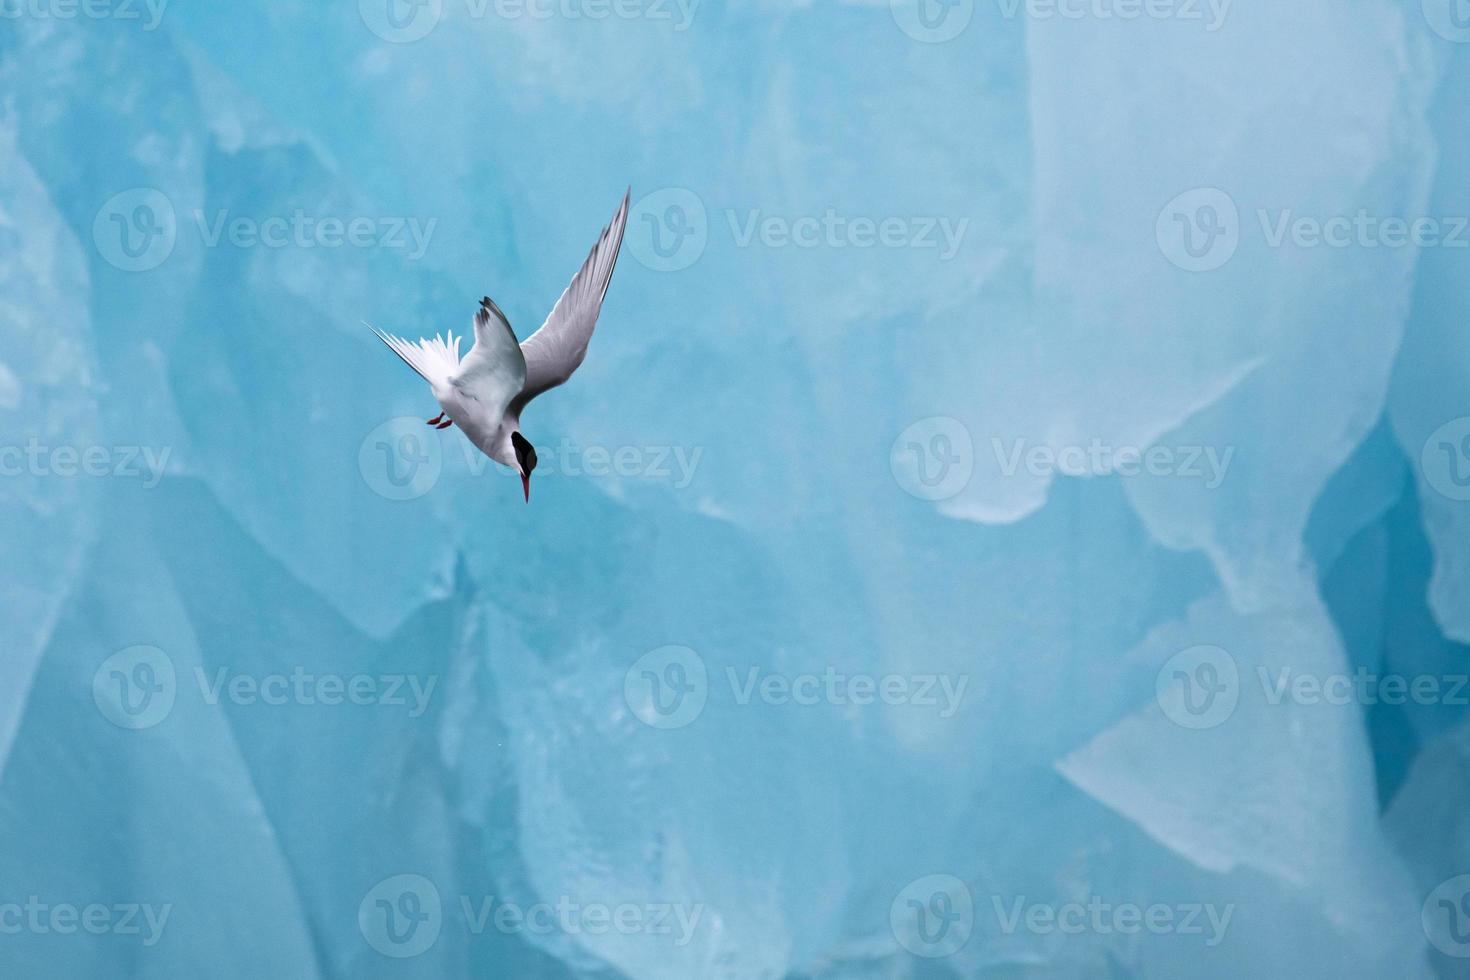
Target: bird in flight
x,y
486,390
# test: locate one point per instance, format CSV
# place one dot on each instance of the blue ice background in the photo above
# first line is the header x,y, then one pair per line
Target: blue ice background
x,y
1059,321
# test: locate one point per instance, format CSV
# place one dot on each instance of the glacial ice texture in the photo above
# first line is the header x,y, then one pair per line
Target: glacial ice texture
x,y
1013,521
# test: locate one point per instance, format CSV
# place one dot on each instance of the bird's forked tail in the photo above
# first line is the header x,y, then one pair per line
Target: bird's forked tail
x,y
436,361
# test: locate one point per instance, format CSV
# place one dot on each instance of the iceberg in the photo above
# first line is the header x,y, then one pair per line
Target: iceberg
x,y
1012,521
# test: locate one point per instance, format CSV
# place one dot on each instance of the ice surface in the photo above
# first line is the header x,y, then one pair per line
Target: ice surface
x,y
1428,824
128,821
300,519
1276,326
1240,775
48,374
1427,402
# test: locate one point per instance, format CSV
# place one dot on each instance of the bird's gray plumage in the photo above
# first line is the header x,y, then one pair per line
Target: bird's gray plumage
x,y
485,392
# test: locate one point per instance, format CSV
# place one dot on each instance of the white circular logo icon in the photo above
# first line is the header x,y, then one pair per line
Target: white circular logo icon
x,y
668,229
1450,19
401,916
136,230
401,459
401,21
1199,687
932,21
1446,917
1199,230
933,916
934,458
667,687
135,688
1445,459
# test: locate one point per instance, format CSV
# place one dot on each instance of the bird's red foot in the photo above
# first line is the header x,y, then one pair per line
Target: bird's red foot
x,y
435,421
445,424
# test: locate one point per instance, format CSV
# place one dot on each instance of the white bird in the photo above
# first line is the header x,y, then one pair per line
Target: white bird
x,y
486,391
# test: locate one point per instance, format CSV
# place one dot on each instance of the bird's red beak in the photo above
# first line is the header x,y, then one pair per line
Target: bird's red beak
x,y
526,486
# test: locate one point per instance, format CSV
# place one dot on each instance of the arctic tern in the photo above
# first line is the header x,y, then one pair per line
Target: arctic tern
x,y
486,390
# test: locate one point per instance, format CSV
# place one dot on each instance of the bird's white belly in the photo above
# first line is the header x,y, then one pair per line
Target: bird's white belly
x,y
470,416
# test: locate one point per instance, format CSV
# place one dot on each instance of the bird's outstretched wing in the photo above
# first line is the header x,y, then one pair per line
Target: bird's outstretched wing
x,y
553,352
494,370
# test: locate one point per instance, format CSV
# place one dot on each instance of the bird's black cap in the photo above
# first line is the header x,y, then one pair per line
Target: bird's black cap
x,y
525,452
